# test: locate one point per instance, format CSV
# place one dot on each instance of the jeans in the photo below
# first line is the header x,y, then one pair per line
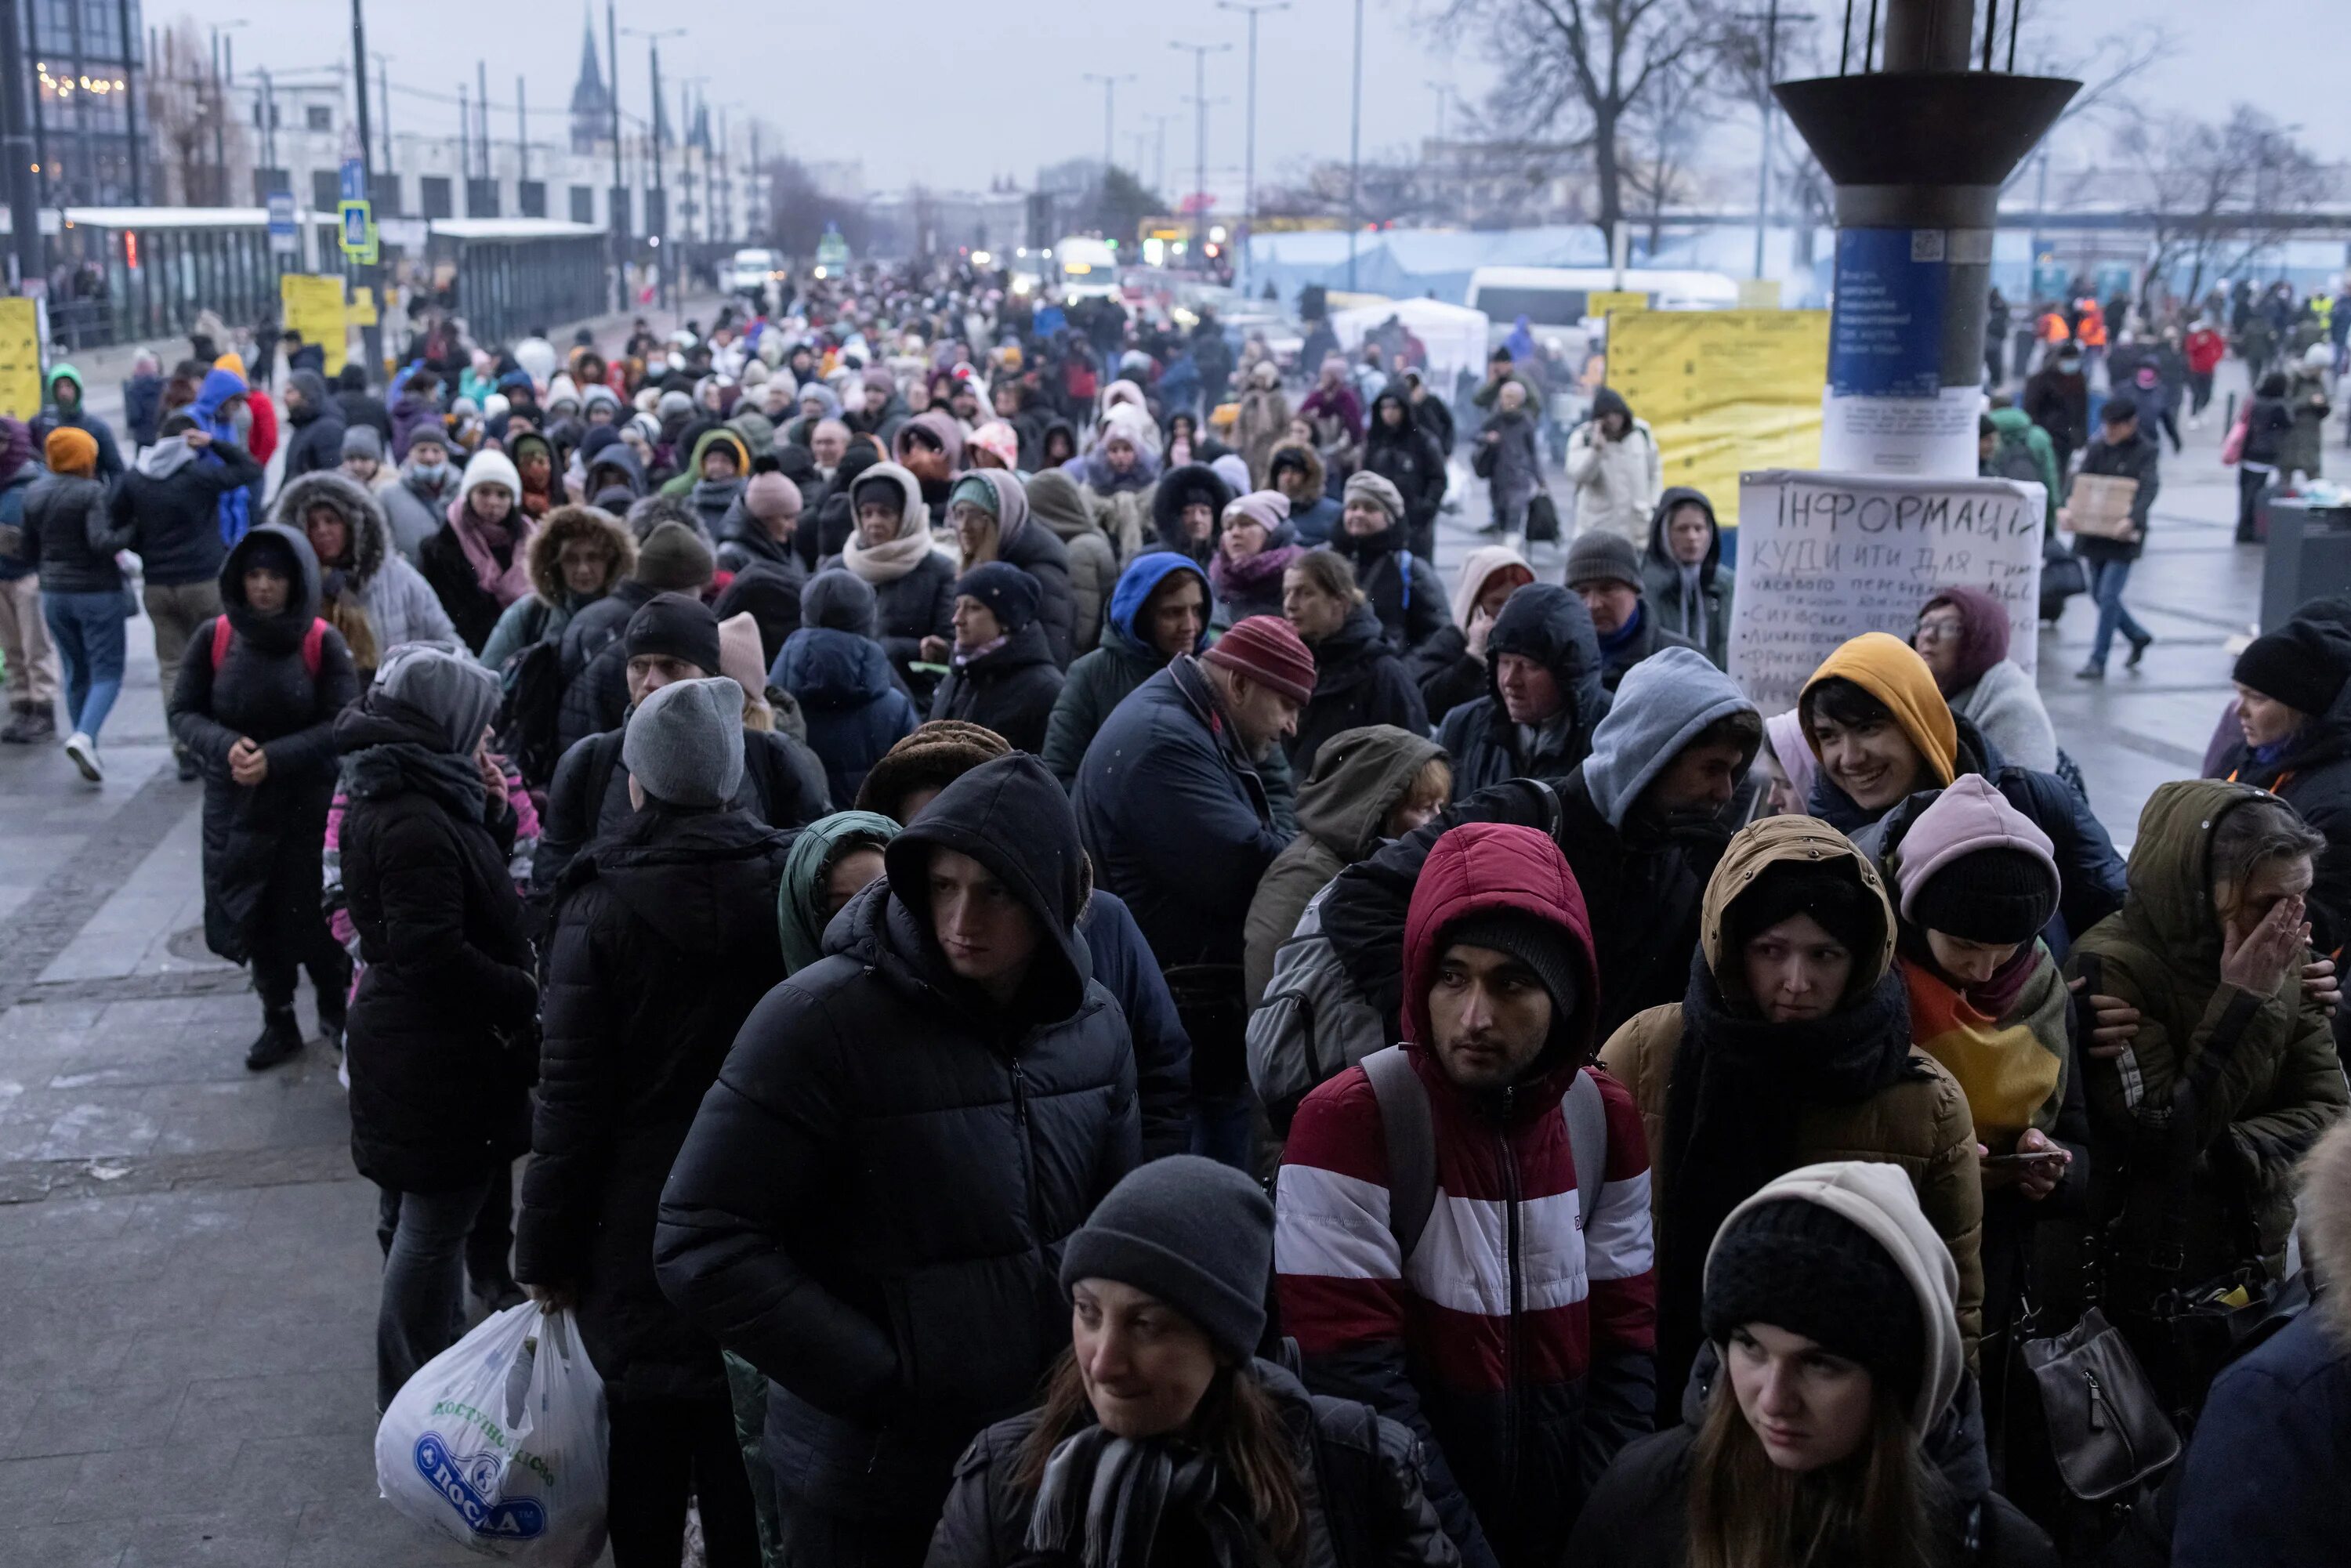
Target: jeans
x,y
2106,580
2199,391
177,609
87,630
423,1311
661,1450
1224,1126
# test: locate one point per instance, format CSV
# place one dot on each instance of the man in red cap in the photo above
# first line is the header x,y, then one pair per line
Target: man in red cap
x,y
1173,811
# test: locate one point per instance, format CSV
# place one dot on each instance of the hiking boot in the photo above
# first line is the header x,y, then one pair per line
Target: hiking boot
x,y
280,1041
84,752
2091,672
30,724
2138,652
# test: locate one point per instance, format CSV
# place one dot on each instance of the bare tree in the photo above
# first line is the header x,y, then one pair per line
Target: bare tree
x,y
1662,131
184,115
1581,68
797,211
2216,194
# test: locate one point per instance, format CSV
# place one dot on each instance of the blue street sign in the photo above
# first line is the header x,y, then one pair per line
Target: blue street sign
x,y
354,179
281,212
359,226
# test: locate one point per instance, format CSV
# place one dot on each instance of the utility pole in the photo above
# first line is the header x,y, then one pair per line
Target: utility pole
x,y
482,108
138,150
24,197
464,153
522,143
1110,100
1355,151
268,120
1771,19
617,203
220,113
1201,53
1249,159
370,276
383,110
657,218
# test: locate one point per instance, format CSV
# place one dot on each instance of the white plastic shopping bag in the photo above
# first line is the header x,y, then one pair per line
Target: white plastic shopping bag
x,y
500,1442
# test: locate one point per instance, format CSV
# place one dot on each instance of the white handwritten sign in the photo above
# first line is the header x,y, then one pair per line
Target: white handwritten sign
x,y
1823,557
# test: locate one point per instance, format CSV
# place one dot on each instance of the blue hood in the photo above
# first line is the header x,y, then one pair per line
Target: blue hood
x,y
1142,577
219,386
832,670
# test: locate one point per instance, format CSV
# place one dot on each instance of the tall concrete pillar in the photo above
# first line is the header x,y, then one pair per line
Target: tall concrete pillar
x,y
1918,153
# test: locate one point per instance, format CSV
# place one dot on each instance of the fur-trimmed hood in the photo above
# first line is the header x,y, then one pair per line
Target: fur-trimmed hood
x,y
361,512
2327,1226
560,527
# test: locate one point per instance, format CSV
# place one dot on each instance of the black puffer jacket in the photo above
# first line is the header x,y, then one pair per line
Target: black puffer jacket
x,y
1364,1505
274,830
1011,689
1038,551
70,535
1358,680
1401,583
664,940
315,438
440,1042
871,1205
1550,625
1407,458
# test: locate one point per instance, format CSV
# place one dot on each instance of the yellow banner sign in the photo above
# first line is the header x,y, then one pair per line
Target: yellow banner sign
x,y
1624,301
1759,294
313,306
1724,392
20,357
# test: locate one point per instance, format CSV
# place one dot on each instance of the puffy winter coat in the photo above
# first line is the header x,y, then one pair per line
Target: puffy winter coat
x,y
1699,612
1617,483
2232,1086
1515,1338
1175,817
378,584
1358,680
550,608
855,709
70,535
1408,457
1009,689
872,1202
1550,625
2313,775
1362,1473
168,503
918,604
1402,584
441,1036
1056,501
1186,484
317,442
266,836
664,940
417,509
1359,777
1907,1111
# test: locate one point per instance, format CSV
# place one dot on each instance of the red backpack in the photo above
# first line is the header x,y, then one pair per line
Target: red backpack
x,y
314,643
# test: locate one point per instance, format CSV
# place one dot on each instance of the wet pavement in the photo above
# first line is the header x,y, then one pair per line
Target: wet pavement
x,y
188,1263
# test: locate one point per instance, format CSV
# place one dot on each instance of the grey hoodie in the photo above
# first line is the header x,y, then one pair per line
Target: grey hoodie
x,y
1661,706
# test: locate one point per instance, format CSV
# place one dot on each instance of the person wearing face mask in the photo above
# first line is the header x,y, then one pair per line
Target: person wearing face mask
x,y
989,513
1792,1040
1001,674
1451,666
1683,580
479,562
1358,678
2057,399
1255,548
914,585
1368,786
1831,1419
255,705
2295,731
1543,697
223,410
1160,1437
1882,731
417,505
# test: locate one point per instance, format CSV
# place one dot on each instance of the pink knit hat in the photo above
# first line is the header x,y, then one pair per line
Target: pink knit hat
x,y
771,495
740,657
1266,650
1969,818
999,441
1268,510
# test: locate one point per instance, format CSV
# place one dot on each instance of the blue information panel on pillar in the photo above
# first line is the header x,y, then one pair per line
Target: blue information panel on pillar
x,y
354,179
1886,329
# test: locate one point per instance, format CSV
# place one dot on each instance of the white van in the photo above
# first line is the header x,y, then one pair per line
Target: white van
x,y
1559,297
1085,268
751,270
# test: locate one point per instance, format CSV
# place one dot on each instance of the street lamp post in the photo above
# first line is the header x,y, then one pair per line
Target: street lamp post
x,y
659,200
1355,150
1249,158
616,206
1110,98
1201,53
371,276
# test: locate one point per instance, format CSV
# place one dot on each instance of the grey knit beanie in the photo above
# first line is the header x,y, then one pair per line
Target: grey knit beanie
x,y
684,745
1195,1234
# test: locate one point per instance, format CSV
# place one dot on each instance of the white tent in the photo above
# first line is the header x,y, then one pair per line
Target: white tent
x,y
1456,335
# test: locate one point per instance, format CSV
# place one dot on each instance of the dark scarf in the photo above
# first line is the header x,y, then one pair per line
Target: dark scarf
x,y
1107,1501
406,767
1738,1084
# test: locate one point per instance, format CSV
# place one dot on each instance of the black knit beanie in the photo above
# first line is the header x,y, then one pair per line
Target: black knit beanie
x,y
2301,665
1806,1269
1533,941
1994,895
677,625
1192,1232
1830,892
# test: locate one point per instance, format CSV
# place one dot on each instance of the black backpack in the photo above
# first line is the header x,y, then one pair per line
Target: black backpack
x,y
532,685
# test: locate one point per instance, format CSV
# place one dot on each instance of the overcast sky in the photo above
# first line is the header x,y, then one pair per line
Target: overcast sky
x,y
957,91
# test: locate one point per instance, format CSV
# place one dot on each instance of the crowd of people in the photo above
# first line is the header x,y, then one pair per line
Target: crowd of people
x,y
1068,996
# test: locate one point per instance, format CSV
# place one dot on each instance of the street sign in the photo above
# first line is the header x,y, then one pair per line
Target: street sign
x,y
358,239
284,237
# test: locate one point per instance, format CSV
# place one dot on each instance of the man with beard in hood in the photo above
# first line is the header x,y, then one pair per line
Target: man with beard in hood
x,y
418,504
811,1189
1180,824
1545,696
1687,587
633,1038
317,422
254,705
1522,1363
1639,820
1618,473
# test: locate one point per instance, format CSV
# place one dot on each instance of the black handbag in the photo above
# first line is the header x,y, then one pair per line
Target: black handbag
x,y
2108,1429
1542,518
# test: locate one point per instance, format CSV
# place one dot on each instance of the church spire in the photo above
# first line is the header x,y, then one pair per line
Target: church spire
x,y
591,104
